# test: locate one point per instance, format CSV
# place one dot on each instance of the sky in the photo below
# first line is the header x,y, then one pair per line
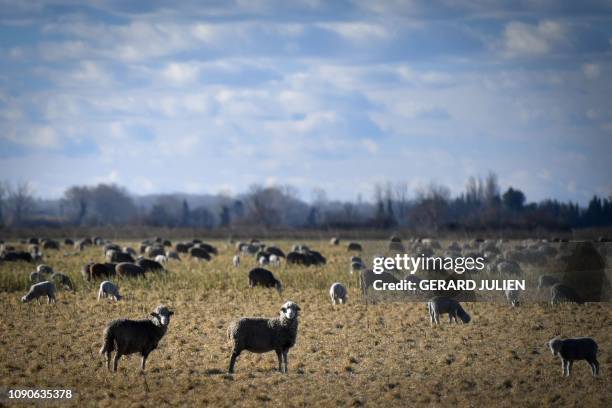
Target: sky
x,y
214,96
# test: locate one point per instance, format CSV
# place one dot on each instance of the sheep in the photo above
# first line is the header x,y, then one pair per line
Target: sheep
x,y
265,278
261,335
161,259
172,255
562,293
546,281
572,349
236,260
356,267
135,336
62,280
338,293
109,289
354,246
39,290
440,305
42,268
129,270
199,253
149,265
263,261
512,295
274,260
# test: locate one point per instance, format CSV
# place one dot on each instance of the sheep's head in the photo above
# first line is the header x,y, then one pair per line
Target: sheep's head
x,y
290,310
555,346
162,314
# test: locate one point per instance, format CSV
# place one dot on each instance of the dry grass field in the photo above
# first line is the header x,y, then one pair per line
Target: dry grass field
x,y
385,354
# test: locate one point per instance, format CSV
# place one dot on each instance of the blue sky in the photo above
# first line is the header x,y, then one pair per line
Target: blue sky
x,y
213,96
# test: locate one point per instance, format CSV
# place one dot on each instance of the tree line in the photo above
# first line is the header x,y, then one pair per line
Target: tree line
x,y
482,205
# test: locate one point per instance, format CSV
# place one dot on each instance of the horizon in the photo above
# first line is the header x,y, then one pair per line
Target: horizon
x,y
212,98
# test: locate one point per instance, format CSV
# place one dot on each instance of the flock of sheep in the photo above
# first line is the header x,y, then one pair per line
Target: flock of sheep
x,y
279,334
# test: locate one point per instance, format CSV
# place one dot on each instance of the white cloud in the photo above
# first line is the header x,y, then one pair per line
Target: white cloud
x,y
528,39
181,73
358,31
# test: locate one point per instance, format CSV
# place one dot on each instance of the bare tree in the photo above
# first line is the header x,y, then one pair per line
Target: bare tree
x,y
401,199
19,202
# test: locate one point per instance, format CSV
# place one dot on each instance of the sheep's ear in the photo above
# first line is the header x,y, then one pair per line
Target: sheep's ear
x,y
170,313
297,307
283,309
154,314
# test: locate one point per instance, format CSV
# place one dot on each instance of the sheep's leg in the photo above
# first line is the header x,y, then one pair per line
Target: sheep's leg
x,y
563,364
285,352
143,361
108,359
116,361
569,367
279,355
594,365
235,354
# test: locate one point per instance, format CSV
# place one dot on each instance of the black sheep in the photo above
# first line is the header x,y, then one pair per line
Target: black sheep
x,y
265,278
135,336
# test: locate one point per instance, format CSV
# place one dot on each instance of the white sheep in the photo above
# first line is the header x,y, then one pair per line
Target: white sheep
x,y
109,289
338,293
274,260
39,290
263,261
578,348
161,259
236,260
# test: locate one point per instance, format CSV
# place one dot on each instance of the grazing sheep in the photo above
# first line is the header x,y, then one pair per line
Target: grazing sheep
x,y
274,260
441,305
272,250
368,277
236,260
99,270
261,335
172,255
109,289
338,293
546,281
561,293
199,253
354,246
265,278
62,281
161,259
334,241
153,251
356,267
149,265
357,259
129,270
42,268
263,261
38,290
135,336
512,295
115,256
578,348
